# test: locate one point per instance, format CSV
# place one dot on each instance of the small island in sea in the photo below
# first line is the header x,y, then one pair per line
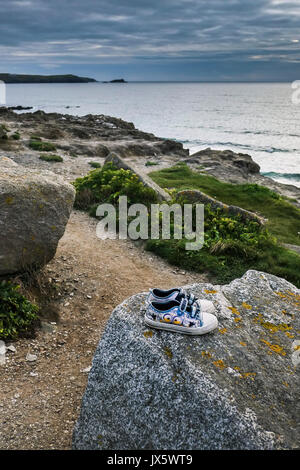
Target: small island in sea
x,y
16,78
118,80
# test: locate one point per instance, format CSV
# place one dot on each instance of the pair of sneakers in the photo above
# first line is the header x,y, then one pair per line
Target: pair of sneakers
x,y
176,310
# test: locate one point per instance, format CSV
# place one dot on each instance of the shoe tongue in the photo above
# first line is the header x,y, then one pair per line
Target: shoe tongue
x,y
181,295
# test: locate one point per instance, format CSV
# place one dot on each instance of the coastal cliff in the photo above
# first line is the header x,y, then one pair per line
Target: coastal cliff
x,y
18,78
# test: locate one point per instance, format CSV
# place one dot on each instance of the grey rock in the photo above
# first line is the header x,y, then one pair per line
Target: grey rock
x,y
47,327
235,388
34,209
146,180
232,167
239,163
11,348
2,347
195,196
31,357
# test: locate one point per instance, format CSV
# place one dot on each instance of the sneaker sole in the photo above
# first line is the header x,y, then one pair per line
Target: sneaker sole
x,y
182,329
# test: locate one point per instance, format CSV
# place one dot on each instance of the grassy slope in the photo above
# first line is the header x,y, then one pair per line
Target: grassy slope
x,y
283,217
284,223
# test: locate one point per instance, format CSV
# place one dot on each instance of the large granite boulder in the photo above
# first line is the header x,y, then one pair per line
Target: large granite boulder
x,y
234,388
34,209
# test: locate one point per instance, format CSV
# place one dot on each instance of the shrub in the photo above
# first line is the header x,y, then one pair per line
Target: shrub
x,y
15,136
95,164
42,146
106,184
17,314
51,158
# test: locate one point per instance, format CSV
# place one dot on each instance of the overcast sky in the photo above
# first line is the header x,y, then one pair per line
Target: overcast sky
x,y
152,40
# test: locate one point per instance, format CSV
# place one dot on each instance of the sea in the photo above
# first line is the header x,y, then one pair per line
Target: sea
x,y
260,119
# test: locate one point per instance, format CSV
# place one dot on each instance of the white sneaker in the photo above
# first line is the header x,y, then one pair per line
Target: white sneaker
x,y
180,317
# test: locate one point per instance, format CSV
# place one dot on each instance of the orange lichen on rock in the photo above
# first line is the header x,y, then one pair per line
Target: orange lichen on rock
x,y
223,330
210,291
276,348
234,310
271,326
206,354
220,364
148,334
247,306
246,375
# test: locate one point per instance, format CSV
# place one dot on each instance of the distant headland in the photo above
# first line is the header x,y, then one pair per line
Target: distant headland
x,y
12,78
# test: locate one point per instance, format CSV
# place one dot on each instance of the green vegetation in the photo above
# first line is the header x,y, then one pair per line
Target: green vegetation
x,y
36,138
16,136
51,158
95,164
283,217
3,132
17,314
4,127
106,184
151,163
40,146
231,246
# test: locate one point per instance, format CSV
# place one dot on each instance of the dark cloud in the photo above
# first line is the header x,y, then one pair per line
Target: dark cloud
x,y
100,35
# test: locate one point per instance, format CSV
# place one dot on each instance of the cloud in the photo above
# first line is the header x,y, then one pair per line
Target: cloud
x,y
110,31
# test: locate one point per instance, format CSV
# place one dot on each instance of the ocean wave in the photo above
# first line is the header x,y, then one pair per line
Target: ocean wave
x,y
247,147
291,176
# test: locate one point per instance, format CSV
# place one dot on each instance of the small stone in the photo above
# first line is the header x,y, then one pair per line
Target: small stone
x,y
2,348
86,370
47,327
11,348
33,374
31,357
88,296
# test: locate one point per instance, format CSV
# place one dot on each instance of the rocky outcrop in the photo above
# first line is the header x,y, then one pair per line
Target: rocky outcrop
x,y
34,210
146,180
232,167
194,196
93,130
235,388
226,163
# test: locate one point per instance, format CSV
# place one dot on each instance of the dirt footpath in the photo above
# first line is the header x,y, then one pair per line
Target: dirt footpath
x,y
40,399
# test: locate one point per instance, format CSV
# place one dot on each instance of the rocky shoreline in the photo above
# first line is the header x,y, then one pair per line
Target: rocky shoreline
x,y
80,140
